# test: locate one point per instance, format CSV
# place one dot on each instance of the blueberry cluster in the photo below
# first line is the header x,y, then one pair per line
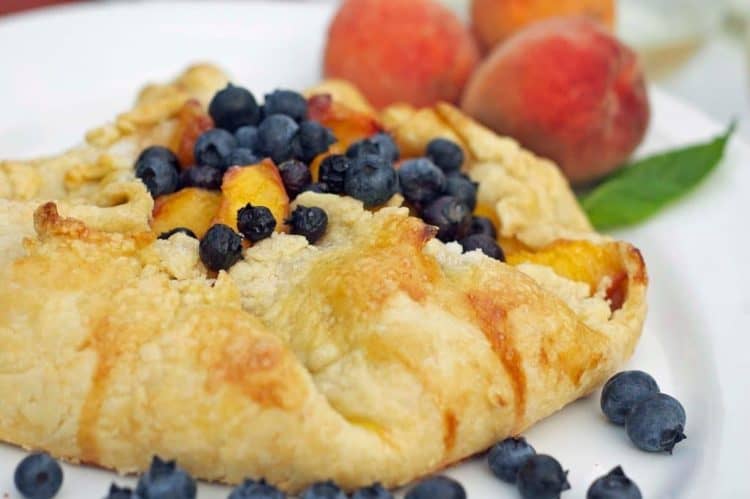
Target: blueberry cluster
x,y
245,133
221,246
654,421
444,197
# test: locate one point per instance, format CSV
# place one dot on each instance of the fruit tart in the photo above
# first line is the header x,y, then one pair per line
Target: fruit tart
x,y
298,290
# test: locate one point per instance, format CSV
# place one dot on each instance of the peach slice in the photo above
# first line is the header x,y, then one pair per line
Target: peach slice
x,y
259,185
346,124
192,208
192,121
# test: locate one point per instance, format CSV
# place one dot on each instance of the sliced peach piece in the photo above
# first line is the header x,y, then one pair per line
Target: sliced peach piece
x,y
259,185
192,121
192,208
581,261
346,124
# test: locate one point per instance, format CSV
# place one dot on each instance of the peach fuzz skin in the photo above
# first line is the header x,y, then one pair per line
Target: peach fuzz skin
x,y
567,90
495,20
414,51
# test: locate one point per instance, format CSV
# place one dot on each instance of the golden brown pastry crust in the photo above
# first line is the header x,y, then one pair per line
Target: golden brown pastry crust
x,y
379,354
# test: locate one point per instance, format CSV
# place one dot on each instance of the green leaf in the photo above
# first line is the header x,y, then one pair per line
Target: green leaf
x,y
638,191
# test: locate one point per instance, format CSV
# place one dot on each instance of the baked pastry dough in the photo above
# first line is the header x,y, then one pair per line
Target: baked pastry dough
x,y
378,354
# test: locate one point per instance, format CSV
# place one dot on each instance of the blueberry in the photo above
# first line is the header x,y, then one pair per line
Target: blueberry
x,y
450,216
158,174
255,222
276,136
242,157
380,144
323,490
463,188
116,492
247,137
165,480
183,230
485,244
421,181
295,175
332,172
482,225
220,248
251,489
159,152
371,179
286,102
614,485
656,423
374,491
213,148
437,487
205,177
319,187
446,154
38,476
234,107
313,139
623,391
309,222
507,457
541,477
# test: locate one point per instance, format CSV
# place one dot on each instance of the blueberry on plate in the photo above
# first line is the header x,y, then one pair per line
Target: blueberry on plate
x,y
319,187
286,102
332,172
158,174
462,187
165,480
213,148
247,137
541,477
371,179
160,152
204,177
313,139
506,457
177,230
437,487
220,248
446,154
323,490
614,485
380,144
656,423
482,225
250,489
242,157
451,216
234,107
420,180
623,391
116,492
485,244
295,175
374,491
276,136
309,222
255,222
38,476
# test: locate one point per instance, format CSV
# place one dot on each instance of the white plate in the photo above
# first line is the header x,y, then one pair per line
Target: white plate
x,y
67,69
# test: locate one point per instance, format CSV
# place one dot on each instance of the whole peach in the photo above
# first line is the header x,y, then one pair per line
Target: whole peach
x,y
414,51
567,90
495,20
